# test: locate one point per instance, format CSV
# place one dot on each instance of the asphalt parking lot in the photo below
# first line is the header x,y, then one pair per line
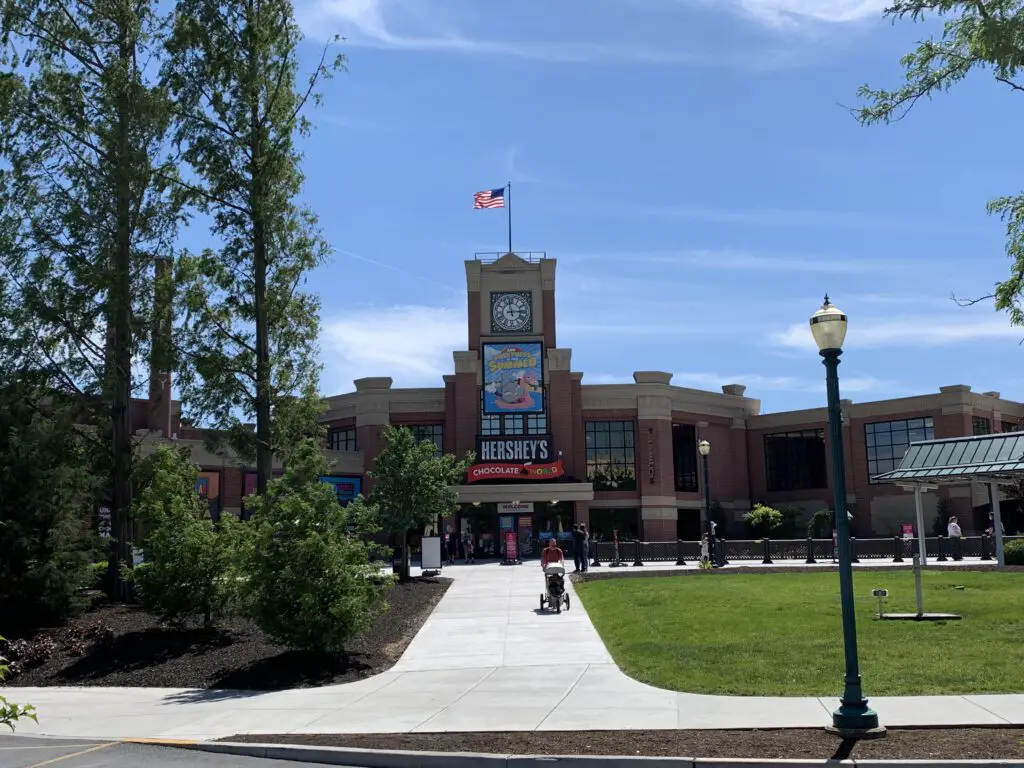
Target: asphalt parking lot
x,y
29,752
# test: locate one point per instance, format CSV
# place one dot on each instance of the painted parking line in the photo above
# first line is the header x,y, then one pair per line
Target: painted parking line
x,y
48,746
62,758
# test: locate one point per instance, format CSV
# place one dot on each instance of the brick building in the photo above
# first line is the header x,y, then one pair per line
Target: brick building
x,y
553,450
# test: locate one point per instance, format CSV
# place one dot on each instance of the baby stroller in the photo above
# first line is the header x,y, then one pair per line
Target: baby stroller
x,y
555,596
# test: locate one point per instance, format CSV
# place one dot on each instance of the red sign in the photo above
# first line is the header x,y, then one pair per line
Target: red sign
x,y
908,530
511,552
500,471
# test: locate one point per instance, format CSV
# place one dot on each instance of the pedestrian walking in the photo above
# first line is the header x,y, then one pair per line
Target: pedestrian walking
x,y
467,547
705,553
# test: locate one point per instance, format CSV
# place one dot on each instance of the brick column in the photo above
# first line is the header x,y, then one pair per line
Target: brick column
x,y
558,392
659,514
467,400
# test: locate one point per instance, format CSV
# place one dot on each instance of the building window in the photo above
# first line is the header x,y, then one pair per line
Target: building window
x,y
611,455
341,439
605,522
982,426
492,424
1009,426
887,441
430,433
795,461
684,456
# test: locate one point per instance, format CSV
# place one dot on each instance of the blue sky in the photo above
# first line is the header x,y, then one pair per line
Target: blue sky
x,y
691,166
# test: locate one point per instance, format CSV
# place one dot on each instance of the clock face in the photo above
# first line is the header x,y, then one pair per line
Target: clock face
x,y
511,312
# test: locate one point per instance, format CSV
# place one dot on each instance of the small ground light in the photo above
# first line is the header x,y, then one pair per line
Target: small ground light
x,y
881,594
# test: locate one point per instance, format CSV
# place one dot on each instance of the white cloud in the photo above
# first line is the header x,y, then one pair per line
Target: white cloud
x,y
789,12
906,331
408,25
757,382
412,344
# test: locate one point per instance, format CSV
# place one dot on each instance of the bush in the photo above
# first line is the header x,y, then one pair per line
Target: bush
x,y
763,519
1013,552
47,485
188,557
99,576
11,713
310,584
821,524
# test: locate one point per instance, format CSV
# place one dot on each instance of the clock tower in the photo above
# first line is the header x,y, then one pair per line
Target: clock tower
x,y
511,297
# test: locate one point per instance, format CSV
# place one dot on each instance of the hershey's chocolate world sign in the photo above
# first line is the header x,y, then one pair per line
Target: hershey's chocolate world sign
x,y
515,448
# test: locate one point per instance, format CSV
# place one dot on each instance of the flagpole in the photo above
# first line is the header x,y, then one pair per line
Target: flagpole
x,y
508,212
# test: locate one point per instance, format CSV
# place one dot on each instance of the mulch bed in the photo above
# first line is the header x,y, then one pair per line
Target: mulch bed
x,y
692,570
122,645
899,744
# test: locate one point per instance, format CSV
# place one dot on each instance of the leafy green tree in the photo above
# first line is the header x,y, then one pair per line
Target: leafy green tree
x,y
47,489
250,332
763,519
188,570
85,206
413,485
310,583
977,35
12,713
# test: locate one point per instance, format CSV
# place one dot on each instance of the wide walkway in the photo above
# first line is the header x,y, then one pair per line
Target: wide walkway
x,y
486,660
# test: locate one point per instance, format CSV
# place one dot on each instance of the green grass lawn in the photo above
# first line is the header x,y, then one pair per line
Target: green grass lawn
x,y
781,634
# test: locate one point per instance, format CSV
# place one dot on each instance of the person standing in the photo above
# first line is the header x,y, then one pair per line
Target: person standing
x,y
955,538
585,548
578,539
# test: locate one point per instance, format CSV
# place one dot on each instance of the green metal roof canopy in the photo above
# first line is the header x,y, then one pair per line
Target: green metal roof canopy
x,y
960,460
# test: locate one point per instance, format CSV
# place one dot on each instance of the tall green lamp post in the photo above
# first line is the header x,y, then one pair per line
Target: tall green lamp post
x,y
854,718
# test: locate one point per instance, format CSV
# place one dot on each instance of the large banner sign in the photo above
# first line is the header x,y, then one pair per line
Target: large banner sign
x,y
513,377
501,471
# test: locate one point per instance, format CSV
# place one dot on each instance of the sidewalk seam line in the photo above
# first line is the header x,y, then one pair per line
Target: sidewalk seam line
x,y
457,699
966,697
566,695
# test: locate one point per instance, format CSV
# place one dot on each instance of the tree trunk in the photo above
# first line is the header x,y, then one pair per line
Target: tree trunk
x,y
264,455
119,315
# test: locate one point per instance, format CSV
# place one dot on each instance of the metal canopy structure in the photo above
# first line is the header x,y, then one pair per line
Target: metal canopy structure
x,y
985,459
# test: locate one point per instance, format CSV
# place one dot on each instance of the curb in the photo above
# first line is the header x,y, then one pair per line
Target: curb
x,y
368,758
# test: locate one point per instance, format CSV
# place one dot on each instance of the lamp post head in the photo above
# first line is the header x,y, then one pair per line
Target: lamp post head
x,y
828,326
704,447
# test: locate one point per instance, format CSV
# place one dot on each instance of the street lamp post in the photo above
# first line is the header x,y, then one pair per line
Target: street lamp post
x,y
704,447
854,718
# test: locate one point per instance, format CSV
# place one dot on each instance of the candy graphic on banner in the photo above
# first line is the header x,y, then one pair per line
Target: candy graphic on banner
x,y
513,377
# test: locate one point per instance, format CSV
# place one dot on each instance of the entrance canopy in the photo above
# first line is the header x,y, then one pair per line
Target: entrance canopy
x,y
959,460
535,492
986,459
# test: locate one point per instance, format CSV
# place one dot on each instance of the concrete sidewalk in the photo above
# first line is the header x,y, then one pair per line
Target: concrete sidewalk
x,y
486,660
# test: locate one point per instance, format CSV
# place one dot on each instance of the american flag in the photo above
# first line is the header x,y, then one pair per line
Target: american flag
x,y
489,198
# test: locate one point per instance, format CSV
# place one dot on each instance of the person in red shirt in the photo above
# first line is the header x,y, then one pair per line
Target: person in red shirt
x,y
551,554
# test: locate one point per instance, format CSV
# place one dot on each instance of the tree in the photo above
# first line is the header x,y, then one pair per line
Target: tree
x,y
413,485
86,207
309,582
985,35
187,573
250,333
46,499
763,519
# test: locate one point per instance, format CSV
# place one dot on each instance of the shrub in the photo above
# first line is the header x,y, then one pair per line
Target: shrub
x,y
763,519
310,584
99,576
28,653
1013,552
821,524
11,713
188,557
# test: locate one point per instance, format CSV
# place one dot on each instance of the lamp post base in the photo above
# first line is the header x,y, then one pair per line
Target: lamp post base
x,y
856,721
